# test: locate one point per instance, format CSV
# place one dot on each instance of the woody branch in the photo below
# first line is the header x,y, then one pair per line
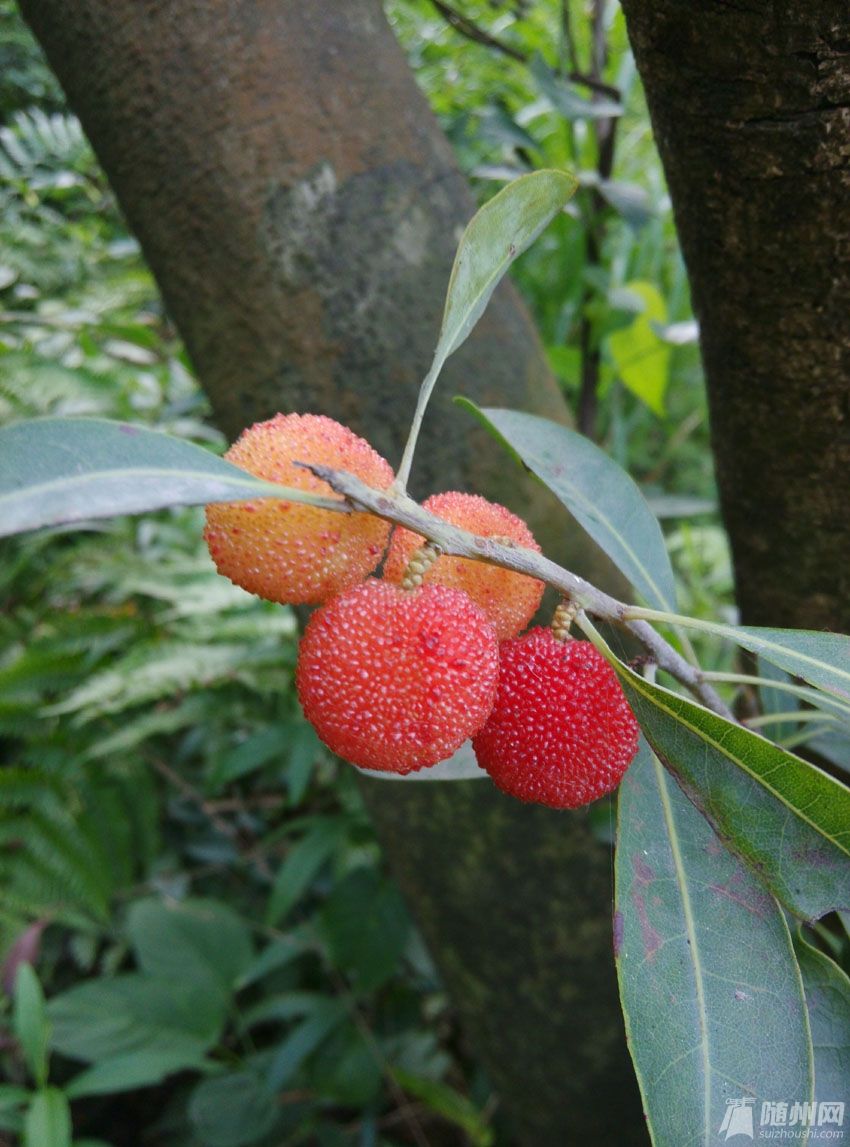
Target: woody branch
x,y
401,510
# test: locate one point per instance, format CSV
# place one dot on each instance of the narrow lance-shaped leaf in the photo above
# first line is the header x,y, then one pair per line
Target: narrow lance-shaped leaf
x,y
775,700
55,471
822,659
786,819
496,235
29,1019
827,990
48,1121
302,864
566,100
450,1104
597,492
779,692
133,1070
702,951
233,1110
641,357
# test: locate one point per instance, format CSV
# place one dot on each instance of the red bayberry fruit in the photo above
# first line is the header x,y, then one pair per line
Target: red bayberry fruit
x,y
509,599
396,679
289,551
561,732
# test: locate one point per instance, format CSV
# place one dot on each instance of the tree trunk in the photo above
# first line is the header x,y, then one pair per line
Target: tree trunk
x,y
751,109
300,210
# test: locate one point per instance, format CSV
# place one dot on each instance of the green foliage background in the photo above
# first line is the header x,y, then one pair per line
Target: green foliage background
x,y
166,816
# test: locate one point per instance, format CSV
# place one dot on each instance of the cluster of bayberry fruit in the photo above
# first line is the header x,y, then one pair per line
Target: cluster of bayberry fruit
x,y
395,673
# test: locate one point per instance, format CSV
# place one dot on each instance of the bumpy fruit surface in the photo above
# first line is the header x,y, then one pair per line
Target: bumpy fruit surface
x,y
561,732
509,599
396,679
289,551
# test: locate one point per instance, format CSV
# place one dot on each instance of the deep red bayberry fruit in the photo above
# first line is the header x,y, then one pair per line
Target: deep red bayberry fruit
x,y
561,732
509,599
291,552
395,679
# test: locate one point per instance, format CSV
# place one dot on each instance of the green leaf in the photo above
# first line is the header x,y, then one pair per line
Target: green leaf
x,y
301,865
834,746
496,235
324,1015
281,1008
448,1103
786,819
12,1096
12,1121
54,471
232,1110
103,1018
305,749
599,493
565,361
641,358
711,993
365,924
496,124
779,693
776,700
347,1068
566,99
822,659
251,754
29,1019
200,942
131,1070
277,954
48,1121
629,199
827,990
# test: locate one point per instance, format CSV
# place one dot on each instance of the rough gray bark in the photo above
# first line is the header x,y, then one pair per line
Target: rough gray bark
x,y
300,210
750,105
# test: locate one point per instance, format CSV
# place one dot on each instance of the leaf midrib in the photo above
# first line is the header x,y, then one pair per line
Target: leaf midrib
x,y
690,927
731,633
758,777
605,520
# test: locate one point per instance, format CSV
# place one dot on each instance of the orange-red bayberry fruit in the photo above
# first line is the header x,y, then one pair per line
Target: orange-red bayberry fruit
x,y
561,732
396,679
509,599
289,551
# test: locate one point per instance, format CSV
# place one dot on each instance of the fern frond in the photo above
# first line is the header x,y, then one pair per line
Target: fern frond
x,y
61,850
44,150
155,671
26,788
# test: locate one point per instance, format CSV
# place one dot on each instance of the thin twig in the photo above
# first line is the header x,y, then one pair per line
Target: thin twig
x,y
191,793
223,826
411,1121
403,511
472,31
467,28
605,131
271,801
